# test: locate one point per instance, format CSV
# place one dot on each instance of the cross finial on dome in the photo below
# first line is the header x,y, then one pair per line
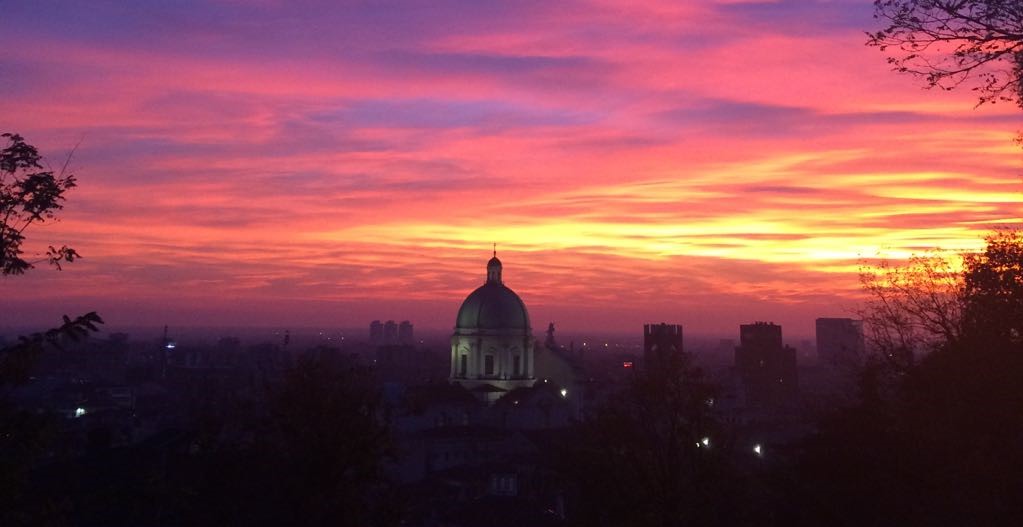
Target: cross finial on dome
x,y
495,249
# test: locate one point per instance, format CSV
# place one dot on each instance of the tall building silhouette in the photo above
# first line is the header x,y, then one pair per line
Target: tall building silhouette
x,y
661,343
405,336
376,333
390,332
766,367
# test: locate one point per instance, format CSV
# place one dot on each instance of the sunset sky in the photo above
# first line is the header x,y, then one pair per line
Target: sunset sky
x,y
288,164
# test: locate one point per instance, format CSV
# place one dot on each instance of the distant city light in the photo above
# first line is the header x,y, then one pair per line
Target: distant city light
x,y
710,401
171,345
79,412
564,392
627,364
705,441
757,450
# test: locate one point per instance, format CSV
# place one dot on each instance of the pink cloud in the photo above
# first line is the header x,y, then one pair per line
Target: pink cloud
x,y
661,161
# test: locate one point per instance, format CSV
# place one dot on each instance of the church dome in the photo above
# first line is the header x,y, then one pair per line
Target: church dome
x,y
493,305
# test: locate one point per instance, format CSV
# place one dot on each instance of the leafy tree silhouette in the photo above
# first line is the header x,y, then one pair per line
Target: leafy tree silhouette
x,y
28,195
31,195
654,455
941,445
312,453
993,288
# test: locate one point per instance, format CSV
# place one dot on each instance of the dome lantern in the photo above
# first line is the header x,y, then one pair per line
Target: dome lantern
x,y
494,270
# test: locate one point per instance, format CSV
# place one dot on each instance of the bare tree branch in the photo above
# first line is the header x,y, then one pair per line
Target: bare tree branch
x,y
949,43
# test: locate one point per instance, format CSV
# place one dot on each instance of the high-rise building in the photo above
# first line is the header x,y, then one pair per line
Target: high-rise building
x,y
840,341
390,333
405,336
376,333
766,367
661,343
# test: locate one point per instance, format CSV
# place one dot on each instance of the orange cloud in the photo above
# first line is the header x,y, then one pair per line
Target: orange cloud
x,y
704,163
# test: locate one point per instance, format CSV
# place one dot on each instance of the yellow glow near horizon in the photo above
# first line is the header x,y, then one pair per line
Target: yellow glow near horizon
x,y
290,178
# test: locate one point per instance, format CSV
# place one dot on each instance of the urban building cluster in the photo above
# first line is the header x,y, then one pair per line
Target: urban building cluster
x,y
481,435
390,334
473,423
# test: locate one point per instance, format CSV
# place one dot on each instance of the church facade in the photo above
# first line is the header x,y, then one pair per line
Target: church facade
x,y
492,346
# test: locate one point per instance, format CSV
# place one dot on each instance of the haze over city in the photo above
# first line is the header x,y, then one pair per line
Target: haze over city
x,y
280,165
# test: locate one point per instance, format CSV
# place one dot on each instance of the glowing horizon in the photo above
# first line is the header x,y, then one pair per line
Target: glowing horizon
x,y
708,164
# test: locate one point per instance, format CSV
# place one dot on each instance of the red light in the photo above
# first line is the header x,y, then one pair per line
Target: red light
x,y
627,364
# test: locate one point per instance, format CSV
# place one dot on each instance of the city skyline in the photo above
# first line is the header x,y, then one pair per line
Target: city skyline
x,y
708,164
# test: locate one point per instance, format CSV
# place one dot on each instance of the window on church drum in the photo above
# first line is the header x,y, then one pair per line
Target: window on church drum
x,y
463,365
518,365
488,365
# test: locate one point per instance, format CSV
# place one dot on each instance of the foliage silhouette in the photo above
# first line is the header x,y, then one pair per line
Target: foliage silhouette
x,y
952,42
941,446
655,455
309,452
912,309
993,289
16,360
309,449
25,434
28,195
